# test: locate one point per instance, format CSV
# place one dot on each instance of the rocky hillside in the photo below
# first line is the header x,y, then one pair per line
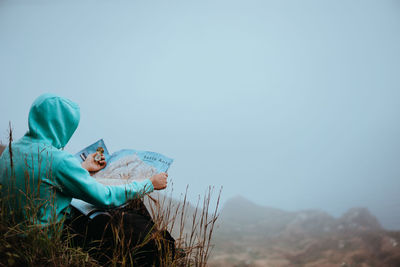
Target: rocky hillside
x,y
253,235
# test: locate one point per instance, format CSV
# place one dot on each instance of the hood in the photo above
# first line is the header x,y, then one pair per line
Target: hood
x,y
53,119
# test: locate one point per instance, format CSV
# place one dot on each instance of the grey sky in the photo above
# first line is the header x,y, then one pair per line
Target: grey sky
x,y
292,104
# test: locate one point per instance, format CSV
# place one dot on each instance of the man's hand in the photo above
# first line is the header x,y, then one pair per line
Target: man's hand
x,y
159,181
93,166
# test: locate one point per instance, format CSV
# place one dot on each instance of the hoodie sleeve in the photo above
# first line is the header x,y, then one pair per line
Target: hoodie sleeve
x,y
75,181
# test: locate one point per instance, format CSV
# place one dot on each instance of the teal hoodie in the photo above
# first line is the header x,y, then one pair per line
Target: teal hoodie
x,y
44,178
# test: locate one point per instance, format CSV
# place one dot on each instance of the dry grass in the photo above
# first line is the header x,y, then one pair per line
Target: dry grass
x,y
192,226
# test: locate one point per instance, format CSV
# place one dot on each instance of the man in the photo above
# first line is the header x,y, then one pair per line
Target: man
x,y
43,178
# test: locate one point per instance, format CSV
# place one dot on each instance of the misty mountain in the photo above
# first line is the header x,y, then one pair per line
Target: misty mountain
x,y
254,235
247,218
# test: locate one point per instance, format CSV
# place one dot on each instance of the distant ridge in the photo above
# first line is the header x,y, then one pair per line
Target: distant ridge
x,y
254,235
239,213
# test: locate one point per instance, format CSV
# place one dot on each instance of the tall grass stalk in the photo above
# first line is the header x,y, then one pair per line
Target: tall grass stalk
x,y
195,228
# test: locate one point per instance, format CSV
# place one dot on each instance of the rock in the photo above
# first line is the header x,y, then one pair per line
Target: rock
x,y
359,219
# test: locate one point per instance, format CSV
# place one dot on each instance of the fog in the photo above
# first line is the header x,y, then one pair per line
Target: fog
x,y
290,104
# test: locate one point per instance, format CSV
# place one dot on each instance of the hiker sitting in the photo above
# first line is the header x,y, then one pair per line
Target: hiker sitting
x,y
37,170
